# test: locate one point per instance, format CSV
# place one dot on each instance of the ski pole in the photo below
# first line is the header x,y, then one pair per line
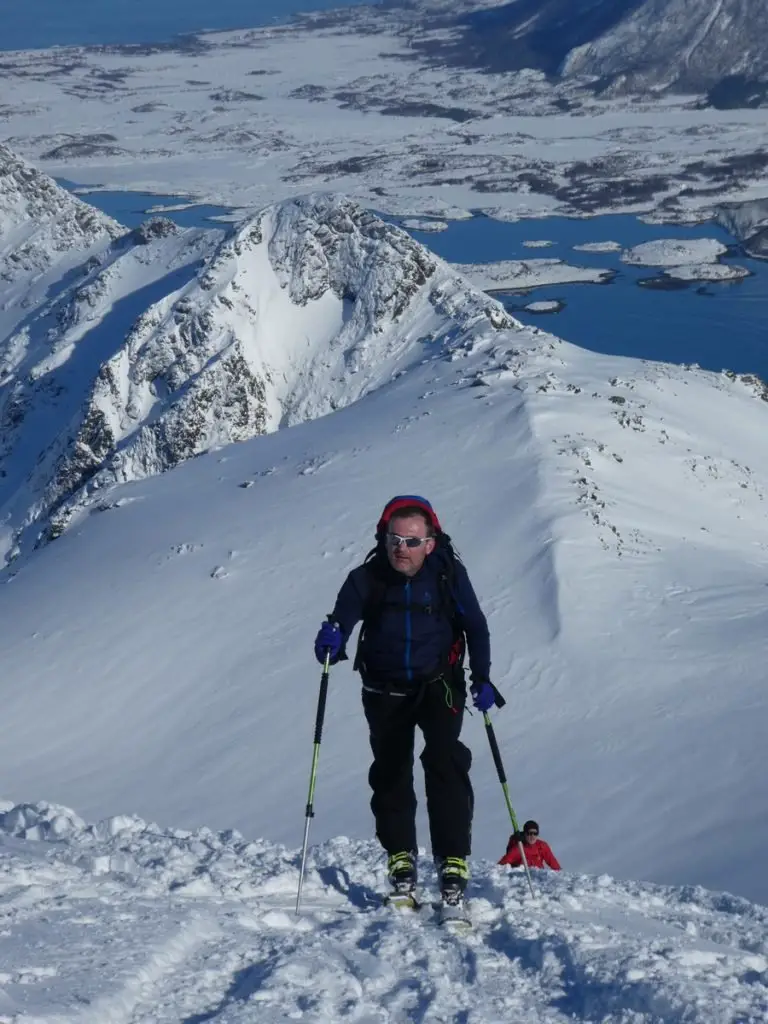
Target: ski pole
x,y
310,811
505,787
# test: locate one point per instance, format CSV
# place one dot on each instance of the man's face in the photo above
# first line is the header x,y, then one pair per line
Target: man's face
x,y
531,836
408,560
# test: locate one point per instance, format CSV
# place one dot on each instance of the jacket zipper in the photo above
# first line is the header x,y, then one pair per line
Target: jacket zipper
x,y
408,670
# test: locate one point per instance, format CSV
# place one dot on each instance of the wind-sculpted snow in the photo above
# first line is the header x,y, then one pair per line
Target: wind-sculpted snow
x,y
200,925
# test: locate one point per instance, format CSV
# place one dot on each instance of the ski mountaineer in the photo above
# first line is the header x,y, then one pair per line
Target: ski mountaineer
x,y
538,853
417,608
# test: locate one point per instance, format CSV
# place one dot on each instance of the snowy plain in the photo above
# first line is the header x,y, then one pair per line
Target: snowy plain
x,y
248,117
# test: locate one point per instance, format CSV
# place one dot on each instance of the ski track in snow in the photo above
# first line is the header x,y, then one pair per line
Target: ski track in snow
x,y
196,927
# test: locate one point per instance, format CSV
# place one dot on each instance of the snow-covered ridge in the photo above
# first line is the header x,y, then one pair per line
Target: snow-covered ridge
x,y
613,513
202,924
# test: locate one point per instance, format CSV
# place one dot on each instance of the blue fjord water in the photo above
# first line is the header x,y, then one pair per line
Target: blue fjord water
x,y
133,208
47,23
719,326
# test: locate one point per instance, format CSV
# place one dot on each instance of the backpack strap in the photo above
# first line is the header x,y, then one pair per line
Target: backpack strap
x,y
374,591
447,583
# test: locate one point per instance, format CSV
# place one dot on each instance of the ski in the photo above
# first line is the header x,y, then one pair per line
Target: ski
x,y
402,901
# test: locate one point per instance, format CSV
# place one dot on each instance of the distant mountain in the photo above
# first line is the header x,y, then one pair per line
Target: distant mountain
x,y
681,44
715,46
537,33
149,347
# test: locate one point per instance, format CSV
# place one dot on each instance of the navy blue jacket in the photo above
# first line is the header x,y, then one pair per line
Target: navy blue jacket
x,y
409,637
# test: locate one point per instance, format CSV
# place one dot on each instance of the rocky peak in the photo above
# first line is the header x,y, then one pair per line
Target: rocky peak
x,y
298,311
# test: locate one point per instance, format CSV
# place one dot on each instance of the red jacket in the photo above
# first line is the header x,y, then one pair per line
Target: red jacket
x,y
537,854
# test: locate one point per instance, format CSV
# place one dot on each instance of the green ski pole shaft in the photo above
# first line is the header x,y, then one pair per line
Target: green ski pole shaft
x,y
310,811
496,753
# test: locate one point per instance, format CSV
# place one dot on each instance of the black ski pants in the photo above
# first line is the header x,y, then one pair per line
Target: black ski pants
x,y
438,710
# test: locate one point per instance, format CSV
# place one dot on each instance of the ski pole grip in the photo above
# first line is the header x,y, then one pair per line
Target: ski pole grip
x,y
495,752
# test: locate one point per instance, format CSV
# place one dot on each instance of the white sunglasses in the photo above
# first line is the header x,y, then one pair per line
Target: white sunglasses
x,y
395,540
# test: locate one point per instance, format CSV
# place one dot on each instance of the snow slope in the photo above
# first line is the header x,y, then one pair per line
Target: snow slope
x,y
157,657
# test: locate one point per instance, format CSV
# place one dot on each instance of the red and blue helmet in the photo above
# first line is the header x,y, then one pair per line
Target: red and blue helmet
x,y
401,501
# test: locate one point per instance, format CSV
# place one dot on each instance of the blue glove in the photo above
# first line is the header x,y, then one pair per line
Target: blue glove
x,y
483,696
329,640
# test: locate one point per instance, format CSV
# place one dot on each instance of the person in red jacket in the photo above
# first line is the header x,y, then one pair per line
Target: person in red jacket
x,y
537,852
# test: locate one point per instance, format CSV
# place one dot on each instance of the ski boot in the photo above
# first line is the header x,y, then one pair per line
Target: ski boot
x,y
454,875
401,868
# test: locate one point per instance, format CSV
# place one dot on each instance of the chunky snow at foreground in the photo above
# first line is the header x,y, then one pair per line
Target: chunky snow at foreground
x,y
126,923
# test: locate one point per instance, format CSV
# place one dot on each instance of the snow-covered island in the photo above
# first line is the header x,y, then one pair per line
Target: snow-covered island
x,y
545,306
696,259
674,252
599,247
708,272
420,224
521,275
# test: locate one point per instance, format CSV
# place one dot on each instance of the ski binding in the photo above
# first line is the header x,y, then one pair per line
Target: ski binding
x,y
402,901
